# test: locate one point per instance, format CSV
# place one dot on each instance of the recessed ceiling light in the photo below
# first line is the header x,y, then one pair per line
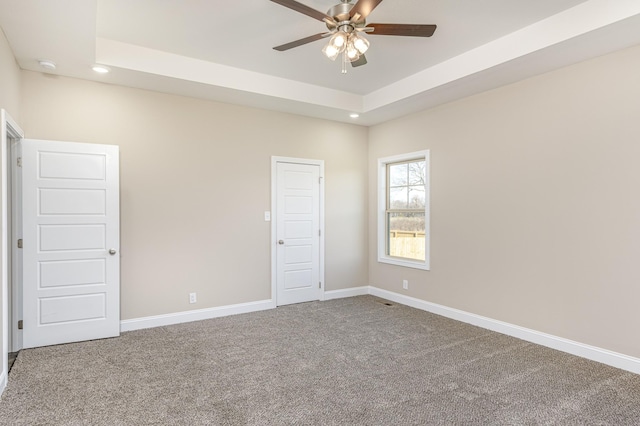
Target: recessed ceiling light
x,y
101,69
47,64
354,115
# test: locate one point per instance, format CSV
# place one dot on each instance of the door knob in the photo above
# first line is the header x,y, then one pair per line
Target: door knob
x,y
112,251
280,242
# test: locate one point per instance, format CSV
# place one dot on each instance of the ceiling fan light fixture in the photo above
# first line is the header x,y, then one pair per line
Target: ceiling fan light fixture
x,y
345,22
337,44
351,52
360,43
339,39
331,52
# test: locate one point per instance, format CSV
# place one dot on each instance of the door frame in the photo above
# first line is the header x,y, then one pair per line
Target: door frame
x,y
274,196
9,133
15,224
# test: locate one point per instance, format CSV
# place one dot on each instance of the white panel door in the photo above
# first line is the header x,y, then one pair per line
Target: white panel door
x,y
71,239
297,233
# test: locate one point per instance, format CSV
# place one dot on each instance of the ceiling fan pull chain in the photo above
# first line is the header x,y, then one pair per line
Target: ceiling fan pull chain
x,y
344,62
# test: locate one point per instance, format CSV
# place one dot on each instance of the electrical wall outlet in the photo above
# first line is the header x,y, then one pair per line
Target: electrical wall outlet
x,y
405,284
192,298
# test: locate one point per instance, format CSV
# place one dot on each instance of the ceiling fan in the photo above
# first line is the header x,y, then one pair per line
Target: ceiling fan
x,y
346,22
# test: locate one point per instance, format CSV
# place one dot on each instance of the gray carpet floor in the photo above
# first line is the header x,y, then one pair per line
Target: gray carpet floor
x,y
354,361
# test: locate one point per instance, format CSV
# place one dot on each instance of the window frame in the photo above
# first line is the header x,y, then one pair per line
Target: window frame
x,y
383,187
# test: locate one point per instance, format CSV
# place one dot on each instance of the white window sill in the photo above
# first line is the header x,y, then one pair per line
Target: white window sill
x,y
416,264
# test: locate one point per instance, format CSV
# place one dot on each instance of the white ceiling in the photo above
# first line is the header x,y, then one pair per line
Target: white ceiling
x,y
222,50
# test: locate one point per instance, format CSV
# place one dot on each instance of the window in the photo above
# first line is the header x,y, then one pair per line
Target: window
x,y
403,217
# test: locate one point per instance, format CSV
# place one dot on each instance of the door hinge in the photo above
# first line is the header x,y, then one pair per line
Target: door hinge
x,y
20,243
20,325
319,232
320,284
19,161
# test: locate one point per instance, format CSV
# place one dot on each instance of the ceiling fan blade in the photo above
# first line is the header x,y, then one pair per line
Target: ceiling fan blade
x,y
300,42
304,9
364,8
361,61
403,29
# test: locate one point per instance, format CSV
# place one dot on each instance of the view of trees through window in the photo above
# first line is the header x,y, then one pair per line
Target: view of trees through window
x,y
406,209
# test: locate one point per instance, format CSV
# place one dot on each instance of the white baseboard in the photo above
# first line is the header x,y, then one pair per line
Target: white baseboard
x,y
347,292
593,353
195,315
223,311
3,382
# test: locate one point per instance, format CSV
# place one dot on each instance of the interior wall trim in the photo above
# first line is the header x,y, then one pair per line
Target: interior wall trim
x,y
604,356
3,382
346,292
9,129
195,315
223,311
593,353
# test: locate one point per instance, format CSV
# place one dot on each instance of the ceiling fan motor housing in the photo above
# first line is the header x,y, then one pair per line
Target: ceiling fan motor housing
x,y
340,13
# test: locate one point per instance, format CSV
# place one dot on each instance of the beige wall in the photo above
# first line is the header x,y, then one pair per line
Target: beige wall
x,y
535,207
9,80
195,182
535,202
